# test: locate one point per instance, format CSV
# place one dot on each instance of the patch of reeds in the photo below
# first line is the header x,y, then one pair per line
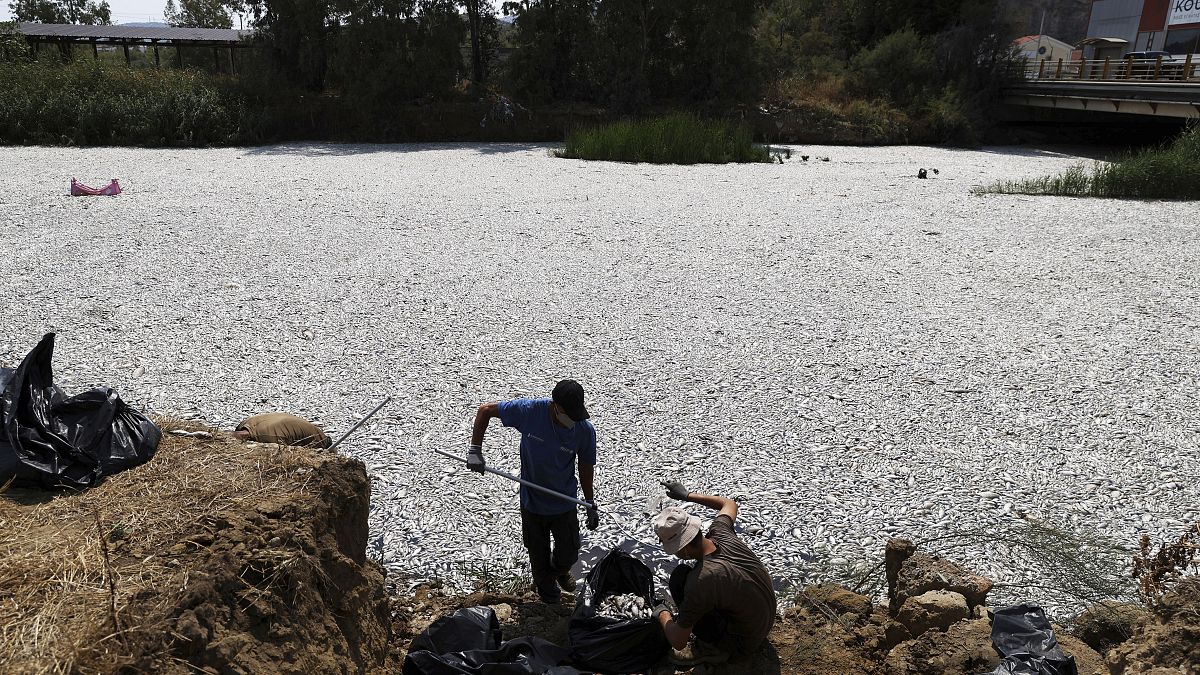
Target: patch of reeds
x,y
1167,172
678,138
94,103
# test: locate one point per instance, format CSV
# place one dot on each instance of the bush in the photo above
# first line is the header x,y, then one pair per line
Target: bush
x,y
679,138
899,68
1166,172
952,119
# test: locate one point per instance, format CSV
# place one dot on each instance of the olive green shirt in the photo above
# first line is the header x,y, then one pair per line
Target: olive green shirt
x,y
733,582
284,429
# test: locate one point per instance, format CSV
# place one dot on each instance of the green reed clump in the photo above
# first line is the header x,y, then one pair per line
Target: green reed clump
x,y
91,103
1170,171
679,138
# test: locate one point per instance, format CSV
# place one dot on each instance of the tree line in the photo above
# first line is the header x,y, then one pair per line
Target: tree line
x,y
624,55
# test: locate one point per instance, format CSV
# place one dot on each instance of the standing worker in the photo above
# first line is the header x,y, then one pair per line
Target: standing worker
x,y
555,434
281,428
726,601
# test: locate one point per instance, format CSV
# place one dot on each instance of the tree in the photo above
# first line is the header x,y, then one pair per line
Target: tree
x,y
198,14
85,12
299,33
556,47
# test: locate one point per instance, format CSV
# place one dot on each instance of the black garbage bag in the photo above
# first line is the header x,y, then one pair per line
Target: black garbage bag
x,y
1025,639
468,643
48,440
611,645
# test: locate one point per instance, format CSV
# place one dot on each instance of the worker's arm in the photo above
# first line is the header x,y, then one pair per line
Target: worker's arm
x,y
725,505
677,635
482,416
587,476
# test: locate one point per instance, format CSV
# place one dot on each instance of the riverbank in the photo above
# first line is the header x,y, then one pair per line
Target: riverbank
x,y
226,556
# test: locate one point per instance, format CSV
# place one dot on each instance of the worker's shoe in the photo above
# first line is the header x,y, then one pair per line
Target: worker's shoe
x,y
548,593
697,652
566,582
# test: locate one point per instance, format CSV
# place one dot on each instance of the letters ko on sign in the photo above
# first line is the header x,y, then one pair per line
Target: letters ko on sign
x,y
1184,11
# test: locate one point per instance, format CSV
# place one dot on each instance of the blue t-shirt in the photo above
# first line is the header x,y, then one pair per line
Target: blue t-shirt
x,y
548,453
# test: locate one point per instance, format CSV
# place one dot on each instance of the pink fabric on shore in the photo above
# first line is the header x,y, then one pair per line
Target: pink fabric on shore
x,y
79,189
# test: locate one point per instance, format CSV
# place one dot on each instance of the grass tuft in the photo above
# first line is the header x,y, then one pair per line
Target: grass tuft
x,y
1166,172
679,138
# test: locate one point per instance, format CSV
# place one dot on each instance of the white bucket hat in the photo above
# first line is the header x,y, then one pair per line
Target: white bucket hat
x,y
675,528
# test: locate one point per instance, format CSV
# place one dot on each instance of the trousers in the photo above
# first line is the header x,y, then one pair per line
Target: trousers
x,y
548,560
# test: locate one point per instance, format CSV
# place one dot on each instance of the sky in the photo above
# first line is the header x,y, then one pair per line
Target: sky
x,y
123,11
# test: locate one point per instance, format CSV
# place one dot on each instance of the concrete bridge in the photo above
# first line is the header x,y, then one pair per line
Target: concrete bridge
x,y
1154,87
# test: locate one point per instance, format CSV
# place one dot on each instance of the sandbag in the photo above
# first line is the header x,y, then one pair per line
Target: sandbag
x,y
609,645
49,440
468,643
1024,637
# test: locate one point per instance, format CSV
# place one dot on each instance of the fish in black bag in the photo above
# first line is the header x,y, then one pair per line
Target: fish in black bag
x,y
612,645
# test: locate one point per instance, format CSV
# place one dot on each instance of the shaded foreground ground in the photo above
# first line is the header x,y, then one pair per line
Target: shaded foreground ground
x,y
224,557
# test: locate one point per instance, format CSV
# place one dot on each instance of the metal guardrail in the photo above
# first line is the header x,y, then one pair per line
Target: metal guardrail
x,y
1111,70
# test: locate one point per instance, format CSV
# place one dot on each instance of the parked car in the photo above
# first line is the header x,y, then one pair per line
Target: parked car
x,y
1166,56
1145,64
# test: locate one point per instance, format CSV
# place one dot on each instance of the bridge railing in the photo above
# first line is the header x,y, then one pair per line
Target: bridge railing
x,y
1111,70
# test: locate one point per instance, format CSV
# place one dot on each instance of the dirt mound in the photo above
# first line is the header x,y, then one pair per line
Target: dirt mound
x,y
1168,641
216,556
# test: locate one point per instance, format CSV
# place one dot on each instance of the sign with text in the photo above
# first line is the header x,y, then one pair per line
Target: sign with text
x,y
1184,11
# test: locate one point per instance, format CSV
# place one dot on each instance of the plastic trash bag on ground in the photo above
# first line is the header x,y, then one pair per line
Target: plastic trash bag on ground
x,y
612,645
50,440
1023,636
468,643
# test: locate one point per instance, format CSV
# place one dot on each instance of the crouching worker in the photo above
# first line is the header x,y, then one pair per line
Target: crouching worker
x,y
281,428
726,601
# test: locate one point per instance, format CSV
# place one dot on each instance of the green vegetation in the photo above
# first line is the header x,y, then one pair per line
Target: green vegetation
x,y
853,71
89,103
1167,172
679,138
86,12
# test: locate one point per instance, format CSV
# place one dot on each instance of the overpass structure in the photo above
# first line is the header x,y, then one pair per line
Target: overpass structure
x,y
1155,87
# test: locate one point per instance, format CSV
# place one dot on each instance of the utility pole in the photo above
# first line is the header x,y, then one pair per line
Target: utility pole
x,y
1041,29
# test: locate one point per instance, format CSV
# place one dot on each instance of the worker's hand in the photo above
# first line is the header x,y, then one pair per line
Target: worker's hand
x,y
593,516
475,459
660,608
676,490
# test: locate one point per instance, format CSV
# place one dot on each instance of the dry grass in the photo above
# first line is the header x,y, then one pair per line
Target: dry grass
x,y
83,576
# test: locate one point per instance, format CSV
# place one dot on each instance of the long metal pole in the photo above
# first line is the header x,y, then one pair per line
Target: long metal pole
x,y
522,481
360,423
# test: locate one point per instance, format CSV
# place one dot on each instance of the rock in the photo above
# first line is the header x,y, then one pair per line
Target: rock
x,y
897,551
504,612
838,599
1107,624
934,609
894,633
966,647
911,574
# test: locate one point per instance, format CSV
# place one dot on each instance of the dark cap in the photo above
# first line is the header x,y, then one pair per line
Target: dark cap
x,y
568,394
